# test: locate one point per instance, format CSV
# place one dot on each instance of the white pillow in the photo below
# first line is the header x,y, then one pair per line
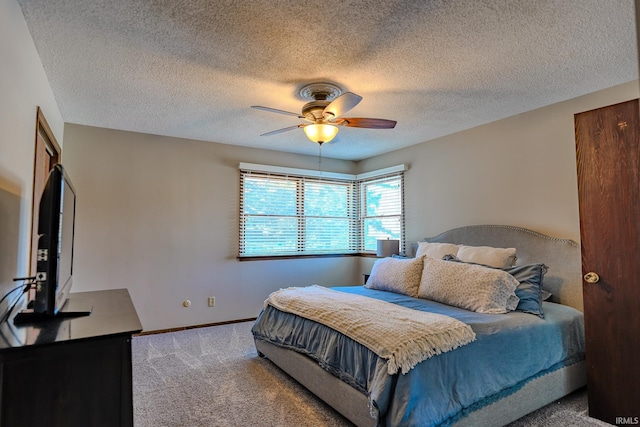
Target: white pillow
x,y
398,275
436,250
468,286
493,257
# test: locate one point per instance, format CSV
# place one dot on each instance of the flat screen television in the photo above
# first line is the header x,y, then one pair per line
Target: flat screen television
x,y
56,230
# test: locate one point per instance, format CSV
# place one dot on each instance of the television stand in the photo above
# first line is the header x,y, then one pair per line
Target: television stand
x,y
71,371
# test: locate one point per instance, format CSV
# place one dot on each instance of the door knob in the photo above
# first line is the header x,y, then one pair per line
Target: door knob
x,y
591,277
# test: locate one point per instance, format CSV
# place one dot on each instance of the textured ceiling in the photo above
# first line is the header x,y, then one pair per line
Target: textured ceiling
x,y
193,68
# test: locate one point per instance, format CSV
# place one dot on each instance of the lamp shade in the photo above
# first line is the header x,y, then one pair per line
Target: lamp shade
x,y
387,247
321,133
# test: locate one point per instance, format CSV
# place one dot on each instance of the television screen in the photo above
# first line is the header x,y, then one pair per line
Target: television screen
x,y
54,270
55,245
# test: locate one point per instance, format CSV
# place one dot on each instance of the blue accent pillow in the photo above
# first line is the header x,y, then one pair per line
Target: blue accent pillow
x,y
530,278
530,288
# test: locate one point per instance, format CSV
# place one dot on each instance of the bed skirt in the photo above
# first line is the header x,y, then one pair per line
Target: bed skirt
x,y
354,405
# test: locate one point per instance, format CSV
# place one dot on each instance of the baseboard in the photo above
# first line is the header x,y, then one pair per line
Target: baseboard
x,y
184,328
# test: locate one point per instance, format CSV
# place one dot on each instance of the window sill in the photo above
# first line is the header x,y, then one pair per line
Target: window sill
x,y
278,257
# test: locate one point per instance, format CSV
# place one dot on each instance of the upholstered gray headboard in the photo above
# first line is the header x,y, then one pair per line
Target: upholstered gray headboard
x,y
564,276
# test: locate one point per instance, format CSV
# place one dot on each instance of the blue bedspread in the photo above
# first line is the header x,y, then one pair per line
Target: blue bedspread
x,y
510,350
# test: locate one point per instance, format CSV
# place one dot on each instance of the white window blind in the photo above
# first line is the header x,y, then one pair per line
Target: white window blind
x,y
382,210
285,212
296,215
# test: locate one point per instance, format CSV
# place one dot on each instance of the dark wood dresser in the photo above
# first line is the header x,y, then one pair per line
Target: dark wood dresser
x,y
71,372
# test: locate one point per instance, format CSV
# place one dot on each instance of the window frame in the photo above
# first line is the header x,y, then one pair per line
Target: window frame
x,y
356,219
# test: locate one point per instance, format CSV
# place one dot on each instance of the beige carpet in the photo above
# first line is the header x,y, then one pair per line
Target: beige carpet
x,y
212,376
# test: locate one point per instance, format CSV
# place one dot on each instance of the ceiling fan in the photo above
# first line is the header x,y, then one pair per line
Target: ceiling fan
x,y
327,103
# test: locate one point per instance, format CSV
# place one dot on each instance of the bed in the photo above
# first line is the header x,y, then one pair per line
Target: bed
x,y
491,381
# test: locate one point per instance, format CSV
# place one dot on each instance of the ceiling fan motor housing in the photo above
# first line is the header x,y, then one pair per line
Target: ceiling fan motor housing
x,y
313,110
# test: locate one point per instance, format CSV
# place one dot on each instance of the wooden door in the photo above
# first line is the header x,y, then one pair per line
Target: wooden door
x,y
608,163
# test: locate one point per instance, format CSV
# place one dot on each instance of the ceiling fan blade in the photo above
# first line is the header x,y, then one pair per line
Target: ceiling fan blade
x,y
367,123
341,105
275,110
287,129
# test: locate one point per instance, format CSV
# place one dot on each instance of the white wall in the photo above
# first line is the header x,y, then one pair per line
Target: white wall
x,y
159,216
518,171
23,87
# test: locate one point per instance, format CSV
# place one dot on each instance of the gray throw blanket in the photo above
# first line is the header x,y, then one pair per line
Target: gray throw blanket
x,y
402,336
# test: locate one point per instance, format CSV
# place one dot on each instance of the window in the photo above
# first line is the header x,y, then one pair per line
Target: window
x,y
291,212
294,215
382,211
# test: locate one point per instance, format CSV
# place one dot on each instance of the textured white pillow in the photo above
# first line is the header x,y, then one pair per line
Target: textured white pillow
x,y
401,276
473,287
493,257
436,250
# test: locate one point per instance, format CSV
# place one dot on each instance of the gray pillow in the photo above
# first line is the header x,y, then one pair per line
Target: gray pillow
x,y
468,286
529,290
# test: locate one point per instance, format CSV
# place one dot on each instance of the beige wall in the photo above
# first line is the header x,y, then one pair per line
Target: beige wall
x,y
518,171
23,86
159,216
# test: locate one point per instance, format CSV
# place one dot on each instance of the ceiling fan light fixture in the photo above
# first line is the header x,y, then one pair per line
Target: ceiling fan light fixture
x,y
324,112
321,132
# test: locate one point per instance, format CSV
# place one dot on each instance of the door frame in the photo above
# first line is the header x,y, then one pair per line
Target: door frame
x,y
47,153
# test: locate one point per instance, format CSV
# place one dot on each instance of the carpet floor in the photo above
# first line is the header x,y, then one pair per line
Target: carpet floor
x,y
208,377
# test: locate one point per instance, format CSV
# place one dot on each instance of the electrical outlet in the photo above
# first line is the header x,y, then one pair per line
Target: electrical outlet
x,y
211,301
